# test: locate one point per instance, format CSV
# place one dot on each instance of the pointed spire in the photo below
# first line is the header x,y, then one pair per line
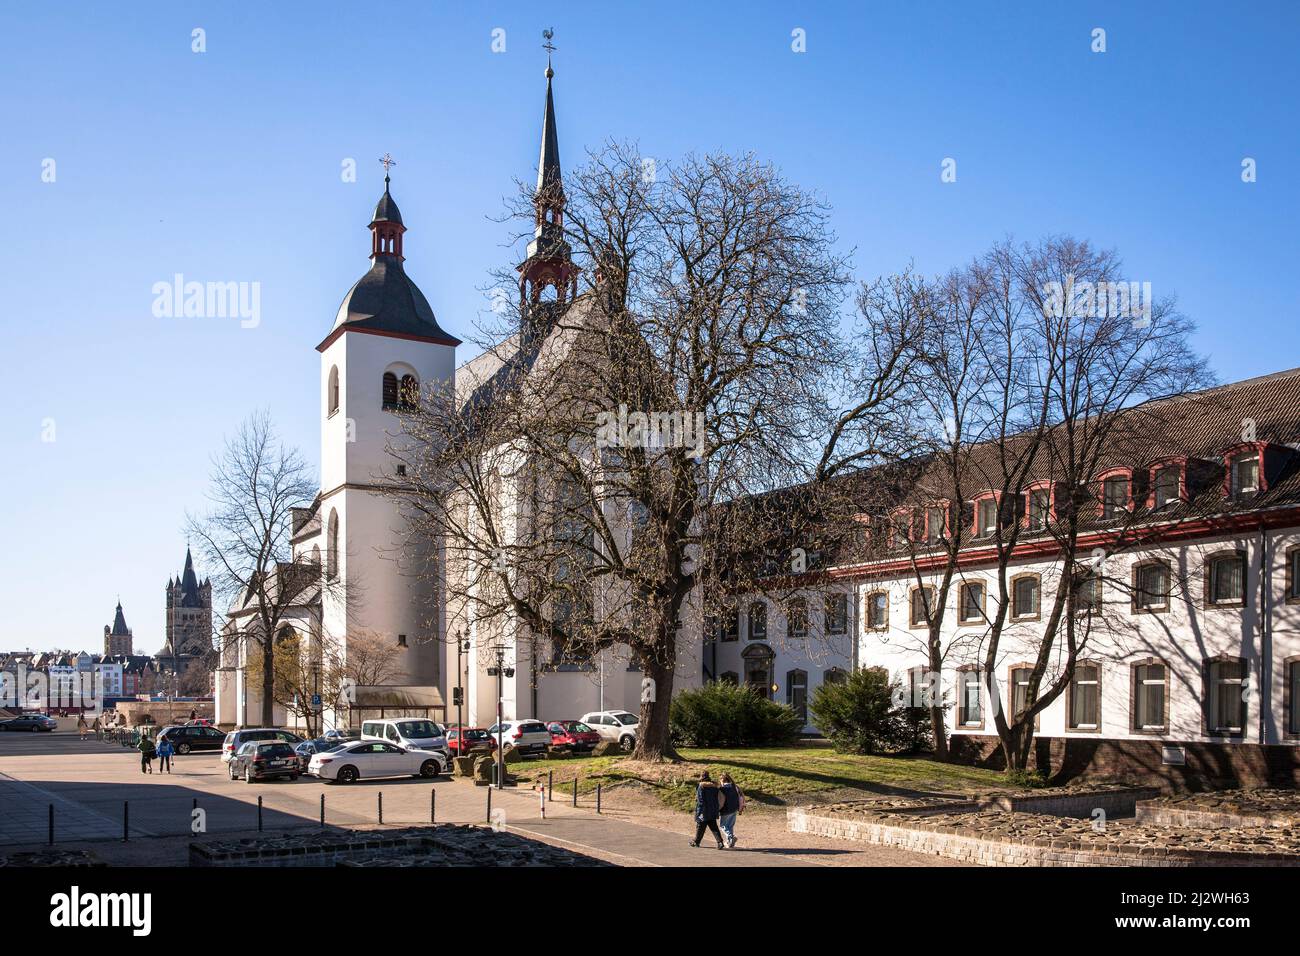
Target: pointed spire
x,y
386,225
548,165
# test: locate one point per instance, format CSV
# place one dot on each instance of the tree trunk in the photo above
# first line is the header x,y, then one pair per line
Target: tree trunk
x,y
1017,744
268,684
652,740
937,728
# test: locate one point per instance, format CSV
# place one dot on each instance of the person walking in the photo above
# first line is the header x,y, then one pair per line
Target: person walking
x,y
82,726
733,803
707,802
165,752
146,748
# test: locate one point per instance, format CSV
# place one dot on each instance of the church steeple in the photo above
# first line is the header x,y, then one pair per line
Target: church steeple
x,y
386,224
550,259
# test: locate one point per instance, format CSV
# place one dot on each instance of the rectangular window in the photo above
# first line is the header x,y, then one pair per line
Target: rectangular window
x,y
1020,689
837,614
1293,575
1114,497
797,616
972,601
922,600
1293,697
1151,587
1245,474
1087,593
1168,480
758,621
1025,597
987,510
935,525
729,627
1149,696
1085,697
877,610
1040,508
1226,700
969,710
1227,580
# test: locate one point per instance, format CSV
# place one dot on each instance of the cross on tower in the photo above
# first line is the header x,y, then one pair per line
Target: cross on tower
x,y
548,46
386,162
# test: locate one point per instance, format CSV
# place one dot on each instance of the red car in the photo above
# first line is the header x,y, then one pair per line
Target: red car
x,y
474,737
572,735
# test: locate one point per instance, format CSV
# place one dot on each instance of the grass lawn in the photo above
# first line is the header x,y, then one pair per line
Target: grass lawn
x,y
767,775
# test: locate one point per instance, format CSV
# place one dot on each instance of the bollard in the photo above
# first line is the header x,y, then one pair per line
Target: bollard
x,y
541,801
489,805
51,824
259,813
381,807
598,798
322,811
575,791
433,805
550,785
126,820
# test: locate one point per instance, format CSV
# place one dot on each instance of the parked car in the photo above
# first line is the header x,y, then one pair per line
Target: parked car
x,y
263,760
473,737
573,735
526,736
198,722
413,733
309,748
187,738
30,723
614,725
237,738
368,759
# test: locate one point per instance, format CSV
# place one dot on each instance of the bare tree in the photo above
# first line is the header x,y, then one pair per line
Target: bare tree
x,y
616,457
256,483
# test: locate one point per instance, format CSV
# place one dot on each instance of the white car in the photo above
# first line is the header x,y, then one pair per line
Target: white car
x,y
614,725
368,759
526,736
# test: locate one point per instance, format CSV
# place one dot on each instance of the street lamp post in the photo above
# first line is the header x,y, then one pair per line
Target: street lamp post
x,y
501,672
462,649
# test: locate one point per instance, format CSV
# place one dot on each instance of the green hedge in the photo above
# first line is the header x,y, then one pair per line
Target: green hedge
x,y
723,714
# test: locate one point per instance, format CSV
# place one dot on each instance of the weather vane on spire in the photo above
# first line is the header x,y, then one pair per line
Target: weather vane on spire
x,y
548,46
387,161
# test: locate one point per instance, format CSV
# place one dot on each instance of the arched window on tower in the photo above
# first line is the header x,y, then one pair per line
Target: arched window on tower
x,y
408,396
390,390
332,390
332,547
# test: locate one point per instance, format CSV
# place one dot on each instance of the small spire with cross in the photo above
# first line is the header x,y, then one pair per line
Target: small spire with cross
x,y
387,162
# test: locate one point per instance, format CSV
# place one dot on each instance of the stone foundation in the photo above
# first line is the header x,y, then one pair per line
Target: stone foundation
x,y
1209,766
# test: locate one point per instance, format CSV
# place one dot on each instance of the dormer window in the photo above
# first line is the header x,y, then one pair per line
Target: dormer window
x,y
1114,495
1167,486
986,517
1039,508
1244,474
936,525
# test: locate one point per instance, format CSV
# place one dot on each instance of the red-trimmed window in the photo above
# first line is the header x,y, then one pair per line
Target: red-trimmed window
x,y
936,523
1168,482
1115,493
986,515
1040,505
1244,470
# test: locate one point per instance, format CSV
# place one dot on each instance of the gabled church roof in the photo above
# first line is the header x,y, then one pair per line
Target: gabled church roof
x,y
119,623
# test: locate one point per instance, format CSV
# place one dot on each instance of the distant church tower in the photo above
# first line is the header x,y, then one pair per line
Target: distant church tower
x,y
385,347
189,618
117,639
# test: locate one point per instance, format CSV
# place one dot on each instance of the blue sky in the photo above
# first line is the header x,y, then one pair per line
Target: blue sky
x,y
225,166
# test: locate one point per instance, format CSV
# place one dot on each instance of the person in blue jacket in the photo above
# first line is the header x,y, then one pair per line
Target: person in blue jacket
x,y
165,752
707,803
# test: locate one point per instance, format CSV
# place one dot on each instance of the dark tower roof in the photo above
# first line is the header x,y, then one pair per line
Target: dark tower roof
x,y
190,584
385,301
386,209
548,166
119,623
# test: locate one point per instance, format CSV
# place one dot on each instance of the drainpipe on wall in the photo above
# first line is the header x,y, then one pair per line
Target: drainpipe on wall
x,y
1265,613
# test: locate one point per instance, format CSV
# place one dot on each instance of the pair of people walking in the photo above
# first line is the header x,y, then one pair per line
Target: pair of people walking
x,y
717,804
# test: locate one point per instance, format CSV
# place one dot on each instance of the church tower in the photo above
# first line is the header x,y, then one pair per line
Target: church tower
x,y
117,639
189,618
548,279
385,348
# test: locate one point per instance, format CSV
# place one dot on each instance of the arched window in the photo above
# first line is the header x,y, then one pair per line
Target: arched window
x,y
408,395
315,555
332,547
332,390
390,390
